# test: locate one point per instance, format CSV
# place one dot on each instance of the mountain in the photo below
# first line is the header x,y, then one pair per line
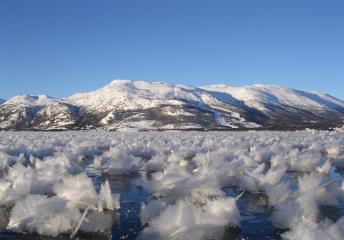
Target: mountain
x,y
161,105
287,107
126,104
261,96
38,112
2,101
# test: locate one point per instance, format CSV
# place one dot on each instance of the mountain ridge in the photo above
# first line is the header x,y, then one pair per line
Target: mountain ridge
x,y
142,105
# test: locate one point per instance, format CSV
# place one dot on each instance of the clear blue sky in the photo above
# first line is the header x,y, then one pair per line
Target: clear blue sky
x,y
59,47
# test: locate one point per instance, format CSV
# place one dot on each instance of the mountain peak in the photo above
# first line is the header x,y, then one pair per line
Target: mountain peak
x,y
133,94
32,100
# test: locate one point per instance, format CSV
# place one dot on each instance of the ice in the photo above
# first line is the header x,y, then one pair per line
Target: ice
x,y
303,207
318,231
326,168
6,160
106,200
46,216
279,193
151,210
335,151
78,190
188,221
98,222
116,161
49,195
191,183
256,180
65,211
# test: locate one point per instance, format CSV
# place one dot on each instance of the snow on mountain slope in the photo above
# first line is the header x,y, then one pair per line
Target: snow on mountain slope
x,y
2,101
57,116
327,100
37,112
260,96
126,104
127,94
171,101
32,100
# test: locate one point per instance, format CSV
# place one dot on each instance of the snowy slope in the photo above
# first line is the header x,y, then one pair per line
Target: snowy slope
x,y
259,96
170,99
126,104
128,94
37,112
31,100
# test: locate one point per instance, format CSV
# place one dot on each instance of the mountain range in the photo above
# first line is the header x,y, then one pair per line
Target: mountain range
x,y
140,105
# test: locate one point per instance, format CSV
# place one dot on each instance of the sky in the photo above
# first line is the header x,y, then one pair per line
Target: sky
x,y
67,46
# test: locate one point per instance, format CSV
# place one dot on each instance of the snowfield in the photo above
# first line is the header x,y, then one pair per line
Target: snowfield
x,y
172,185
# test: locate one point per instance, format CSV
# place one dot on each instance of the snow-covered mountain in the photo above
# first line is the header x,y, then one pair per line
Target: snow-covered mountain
x,y
38,112
287,107
262,96
126,104
30,100
2,101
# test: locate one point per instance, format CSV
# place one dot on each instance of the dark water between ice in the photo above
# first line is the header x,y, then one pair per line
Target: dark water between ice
x,y
255,223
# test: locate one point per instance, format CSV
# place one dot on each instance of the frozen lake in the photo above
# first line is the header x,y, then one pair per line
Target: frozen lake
x,y
171,185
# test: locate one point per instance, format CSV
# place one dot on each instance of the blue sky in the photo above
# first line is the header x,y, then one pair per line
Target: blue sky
x,y
67,46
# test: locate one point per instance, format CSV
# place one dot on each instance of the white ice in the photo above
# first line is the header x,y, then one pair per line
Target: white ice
x,y
45,180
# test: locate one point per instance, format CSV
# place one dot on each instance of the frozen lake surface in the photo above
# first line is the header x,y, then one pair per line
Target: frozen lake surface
x,y
171,185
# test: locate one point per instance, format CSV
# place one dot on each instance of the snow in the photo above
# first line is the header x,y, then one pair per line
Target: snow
x,y
195,185
138,95
122,104
259,96
144,124
128,94
32,100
